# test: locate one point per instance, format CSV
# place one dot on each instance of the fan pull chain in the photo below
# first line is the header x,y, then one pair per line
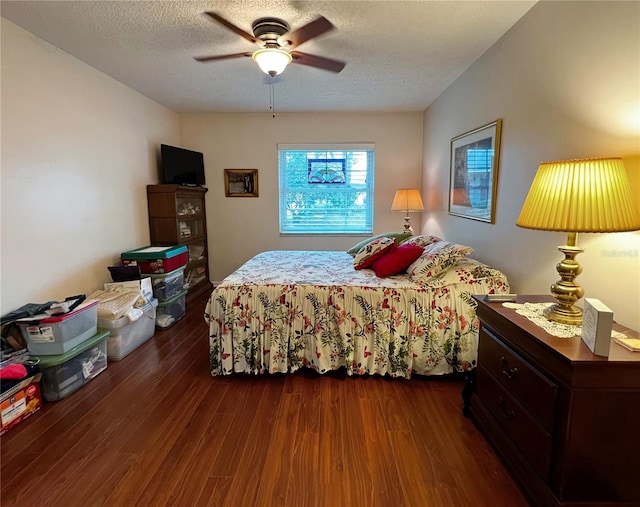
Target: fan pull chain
x,y
272,100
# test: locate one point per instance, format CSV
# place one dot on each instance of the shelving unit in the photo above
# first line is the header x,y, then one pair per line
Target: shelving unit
x,y
177,216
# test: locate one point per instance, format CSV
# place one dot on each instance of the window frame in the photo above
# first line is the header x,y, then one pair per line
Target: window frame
x,y
368,187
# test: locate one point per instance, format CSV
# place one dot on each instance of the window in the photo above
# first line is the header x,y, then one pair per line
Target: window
x,y
326,189
479,167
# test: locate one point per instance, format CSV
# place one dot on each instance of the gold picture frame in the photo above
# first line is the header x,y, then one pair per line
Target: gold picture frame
x,y
241,182
473,173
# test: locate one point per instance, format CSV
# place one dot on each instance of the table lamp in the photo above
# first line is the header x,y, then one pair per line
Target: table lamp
x,y
589,195
409,201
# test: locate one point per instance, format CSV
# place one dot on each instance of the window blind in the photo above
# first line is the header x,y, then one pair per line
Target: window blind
x,y
326,189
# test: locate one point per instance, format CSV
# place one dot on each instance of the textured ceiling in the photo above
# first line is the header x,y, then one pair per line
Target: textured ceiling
x,y
400,55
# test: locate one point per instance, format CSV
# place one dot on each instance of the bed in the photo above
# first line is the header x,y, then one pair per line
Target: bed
x,y
284,310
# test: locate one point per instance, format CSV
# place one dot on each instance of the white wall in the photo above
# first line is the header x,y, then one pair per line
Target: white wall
x,y
239,228
566,82
78,149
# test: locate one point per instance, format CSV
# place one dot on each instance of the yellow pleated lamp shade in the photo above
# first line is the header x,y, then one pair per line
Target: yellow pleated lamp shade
x,y
407,199
590,195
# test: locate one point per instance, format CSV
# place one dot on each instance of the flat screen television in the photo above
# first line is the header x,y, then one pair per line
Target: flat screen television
x,y
181,166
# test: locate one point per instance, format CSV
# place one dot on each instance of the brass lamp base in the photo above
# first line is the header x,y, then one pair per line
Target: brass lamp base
x,y
564,314
566,291
407,224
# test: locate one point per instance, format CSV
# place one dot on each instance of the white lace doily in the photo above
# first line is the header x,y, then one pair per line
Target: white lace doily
x,y
533,312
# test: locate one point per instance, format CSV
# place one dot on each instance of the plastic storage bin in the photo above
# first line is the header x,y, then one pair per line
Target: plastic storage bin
x,y
59,334
157,259
68,372
171,311
167,285
126,336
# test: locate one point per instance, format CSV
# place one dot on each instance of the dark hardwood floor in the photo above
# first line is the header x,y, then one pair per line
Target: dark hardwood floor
x,y
156,429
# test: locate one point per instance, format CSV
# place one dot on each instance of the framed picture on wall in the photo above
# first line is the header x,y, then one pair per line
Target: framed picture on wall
x,y
473,178
241,182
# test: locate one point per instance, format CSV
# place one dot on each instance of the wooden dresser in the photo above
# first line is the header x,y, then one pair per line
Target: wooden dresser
x,y
565,422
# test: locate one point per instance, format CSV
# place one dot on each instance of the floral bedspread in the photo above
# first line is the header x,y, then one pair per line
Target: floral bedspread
x,y
283,310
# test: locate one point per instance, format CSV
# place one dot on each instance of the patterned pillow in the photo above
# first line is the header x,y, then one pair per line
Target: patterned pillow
x,y
396,261
436,259
372,251
421,240
397,236
470,271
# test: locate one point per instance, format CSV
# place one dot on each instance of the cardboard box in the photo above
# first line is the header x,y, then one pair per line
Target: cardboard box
x,y
19,402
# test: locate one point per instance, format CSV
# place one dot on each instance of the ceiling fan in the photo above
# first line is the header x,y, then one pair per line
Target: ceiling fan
x,y
275,39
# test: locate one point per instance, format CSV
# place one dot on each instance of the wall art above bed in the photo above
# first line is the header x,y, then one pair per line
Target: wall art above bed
x,y
473,178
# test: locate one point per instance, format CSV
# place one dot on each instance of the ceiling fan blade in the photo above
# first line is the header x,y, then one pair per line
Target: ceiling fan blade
x,y
317,61
317,27
232,27
220,57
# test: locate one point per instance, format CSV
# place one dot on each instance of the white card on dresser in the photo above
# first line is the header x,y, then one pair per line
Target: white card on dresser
x,y
597,323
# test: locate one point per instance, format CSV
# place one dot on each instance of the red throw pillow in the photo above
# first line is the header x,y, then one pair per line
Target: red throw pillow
x,y
397,261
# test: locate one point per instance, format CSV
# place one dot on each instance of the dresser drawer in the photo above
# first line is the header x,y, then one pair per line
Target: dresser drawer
x,y
535,392
532,440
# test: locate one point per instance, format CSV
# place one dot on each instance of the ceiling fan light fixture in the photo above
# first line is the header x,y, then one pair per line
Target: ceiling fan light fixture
x,y
272,61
